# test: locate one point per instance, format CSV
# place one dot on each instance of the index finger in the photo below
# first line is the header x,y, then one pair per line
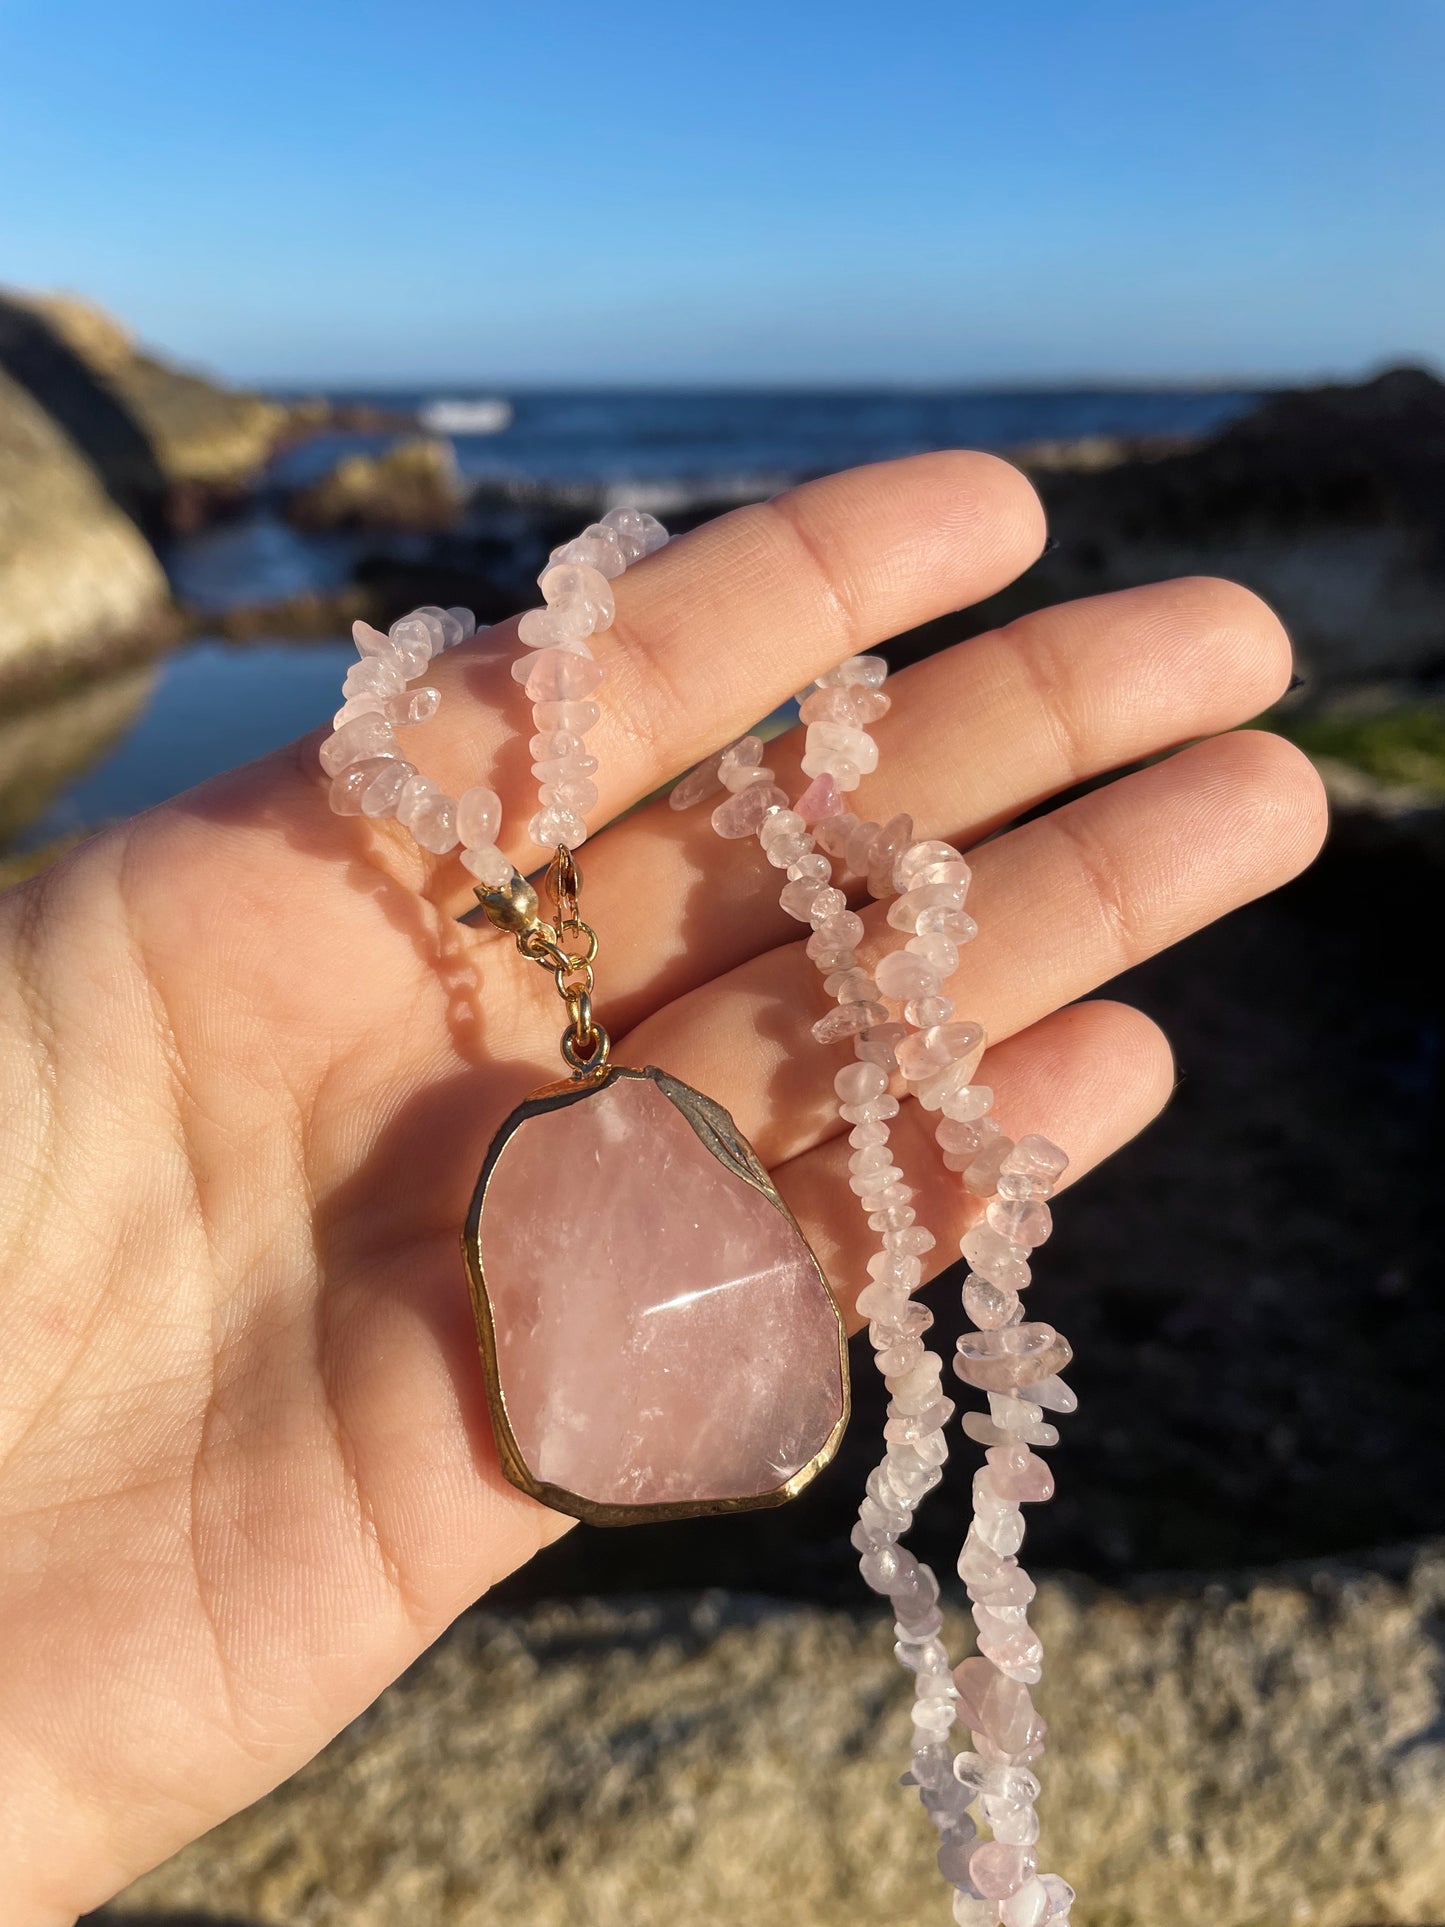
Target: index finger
x,y
723,624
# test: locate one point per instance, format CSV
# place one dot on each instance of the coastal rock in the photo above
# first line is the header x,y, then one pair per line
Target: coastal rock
x,y
77,577
414,484
169,445
1329,502
1243,1755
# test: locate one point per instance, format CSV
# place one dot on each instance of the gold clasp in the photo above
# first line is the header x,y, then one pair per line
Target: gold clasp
x,y
567,947
513,907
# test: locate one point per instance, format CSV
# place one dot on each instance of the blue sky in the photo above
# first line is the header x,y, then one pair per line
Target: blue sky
x,y
940,191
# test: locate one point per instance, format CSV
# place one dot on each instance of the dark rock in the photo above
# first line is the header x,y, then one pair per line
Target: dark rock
x,y
1329,502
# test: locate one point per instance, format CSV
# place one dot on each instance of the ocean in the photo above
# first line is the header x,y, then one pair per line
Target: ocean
x,y
211,704
678,447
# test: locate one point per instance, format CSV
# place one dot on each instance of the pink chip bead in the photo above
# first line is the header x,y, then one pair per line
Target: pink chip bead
x,y
1061,1895
368,703
579,593
797,898
430,815
1014,1355
488,866
904,977
822,798
917,857
1020,1475
995,1257
561,675
966,1103
982,1173
859,706
373,676
1036,1157
858,672
640,533
575,718
998,1871
1028,1907
860,1083
745,809
560,628
879,1043
938,1048
554,824
367,736
599,547
697,785
1021,1221
383,792
349,785
827,745
886,847
479,816
847,1021
988,1306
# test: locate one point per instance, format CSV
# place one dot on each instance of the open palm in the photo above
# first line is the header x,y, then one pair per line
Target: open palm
x,y
250,1064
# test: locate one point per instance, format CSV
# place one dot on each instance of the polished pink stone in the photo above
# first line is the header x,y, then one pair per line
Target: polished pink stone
x,y
822,798
662,1333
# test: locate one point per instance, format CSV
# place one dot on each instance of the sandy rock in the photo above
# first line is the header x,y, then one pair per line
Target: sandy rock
x,y
167,443
414,484
76,575
1257,1756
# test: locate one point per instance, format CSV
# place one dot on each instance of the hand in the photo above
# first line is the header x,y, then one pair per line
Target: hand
x,y
250,1064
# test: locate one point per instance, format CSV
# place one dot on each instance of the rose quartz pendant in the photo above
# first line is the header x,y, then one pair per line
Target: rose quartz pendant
x,y
659,1340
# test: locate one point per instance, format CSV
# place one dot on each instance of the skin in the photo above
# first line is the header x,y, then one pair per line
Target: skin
x,y
250,1064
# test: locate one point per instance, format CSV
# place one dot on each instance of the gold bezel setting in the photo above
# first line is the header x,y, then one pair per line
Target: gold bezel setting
x,y
721,1137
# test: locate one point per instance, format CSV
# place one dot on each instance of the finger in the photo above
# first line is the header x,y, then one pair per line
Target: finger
x,y
1063,904
976,736
1090,1078
728,621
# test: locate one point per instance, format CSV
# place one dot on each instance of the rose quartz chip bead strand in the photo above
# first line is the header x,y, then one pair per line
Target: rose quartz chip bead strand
x,y
995,1879
559,673
369,774
371,777
1015,1363
915,1448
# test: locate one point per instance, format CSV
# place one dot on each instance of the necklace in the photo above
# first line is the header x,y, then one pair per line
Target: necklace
x,y
623,1228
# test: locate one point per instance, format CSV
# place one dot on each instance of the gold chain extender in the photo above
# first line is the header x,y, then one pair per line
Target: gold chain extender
x,y
566,946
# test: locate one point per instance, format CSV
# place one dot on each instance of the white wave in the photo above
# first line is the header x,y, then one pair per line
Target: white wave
x,y
486,415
